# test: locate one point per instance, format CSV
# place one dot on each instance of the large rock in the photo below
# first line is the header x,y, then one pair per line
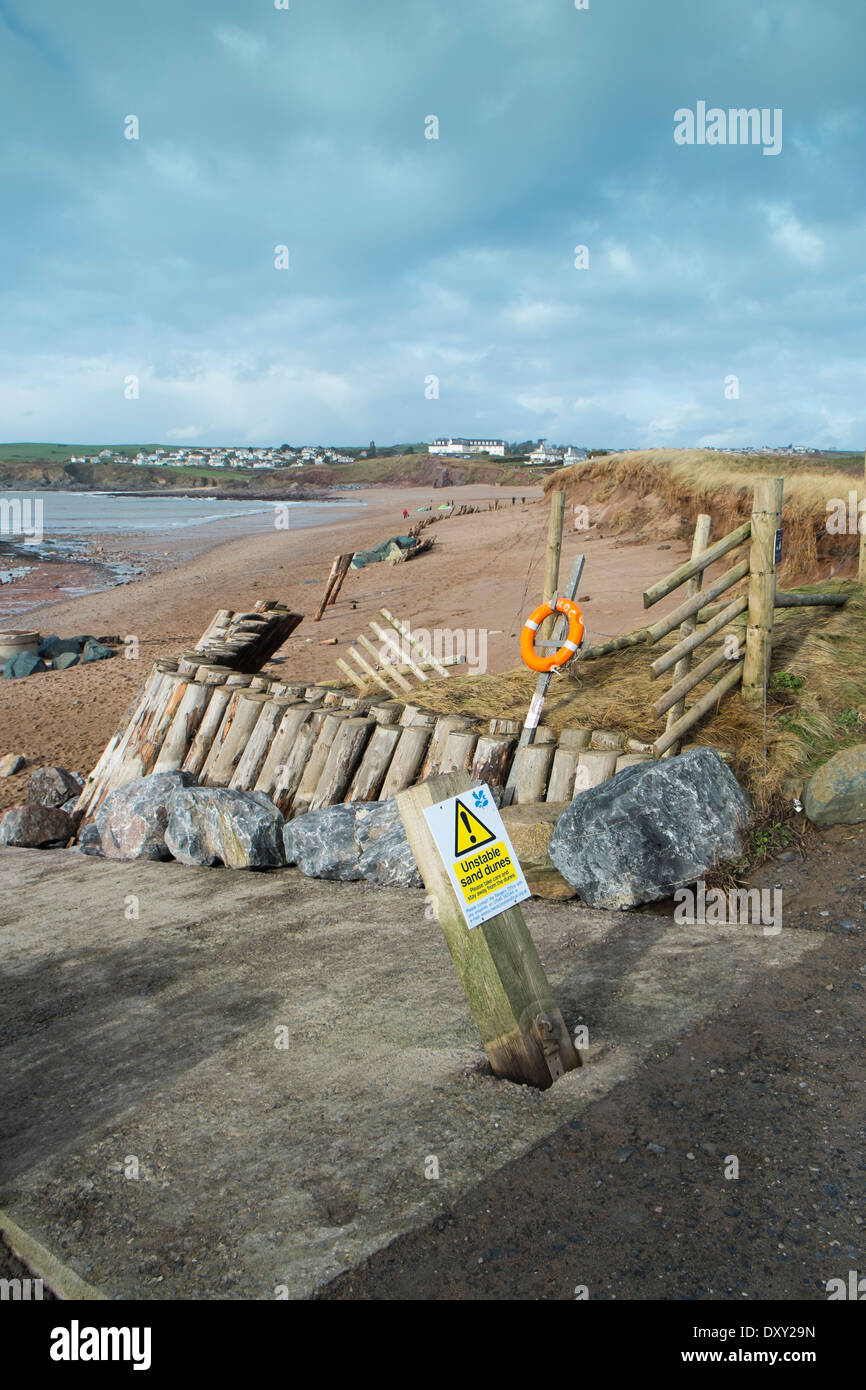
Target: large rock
x,y
53,786
361,840
132,819
651,828
11,763
836,793
218,825
386,859
52,647
65,660
530,828
96,651
36,827
25,664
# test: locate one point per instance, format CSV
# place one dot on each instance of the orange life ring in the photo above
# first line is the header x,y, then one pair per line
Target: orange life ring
x,y
569,647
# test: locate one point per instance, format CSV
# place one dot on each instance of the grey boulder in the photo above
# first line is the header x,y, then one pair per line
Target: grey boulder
x,y
36,827
218,825
53,786
650,828
25,664
353,842
131,821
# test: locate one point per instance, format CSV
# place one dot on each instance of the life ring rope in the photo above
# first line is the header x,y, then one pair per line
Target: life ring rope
x,y
572,643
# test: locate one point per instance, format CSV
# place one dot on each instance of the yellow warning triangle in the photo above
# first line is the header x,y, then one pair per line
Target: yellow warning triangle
x,y
469,832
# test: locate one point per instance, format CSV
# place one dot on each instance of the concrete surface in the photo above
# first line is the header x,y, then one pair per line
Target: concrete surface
x,y
147,1044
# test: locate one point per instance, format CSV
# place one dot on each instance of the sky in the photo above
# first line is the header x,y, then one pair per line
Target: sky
x,y
432,286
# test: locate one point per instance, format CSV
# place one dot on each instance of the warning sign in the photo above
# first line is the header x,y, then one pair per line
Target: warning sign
x,y
477,853
469,832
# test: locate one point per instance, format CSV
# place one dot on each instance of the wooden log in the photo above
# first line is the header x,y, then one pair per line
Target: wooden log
x,y
252,758
692,605
331,582
342,571
290,772
207,729
124,763
413,714
575,737
694,583
533,771
675,697
492,759
209,674
407,759
189,663
616,644
497,962
387,666
246,716
505,726
459,751
367,782
726,614
317,760
560,786
707,702
238,680
544,734
701,559
343,759
143,760
386,711
353,675
134,711
766,521
789,598
445,725
222,733
183,728
593,768
552,557
293,717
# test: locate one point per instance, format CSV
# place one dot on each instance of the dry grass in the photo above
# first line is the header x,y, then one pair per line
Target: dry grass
x,y
638,491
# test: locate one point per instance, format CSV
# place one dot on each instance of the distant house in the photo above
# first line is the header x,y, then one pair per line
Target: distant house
x,y
494,447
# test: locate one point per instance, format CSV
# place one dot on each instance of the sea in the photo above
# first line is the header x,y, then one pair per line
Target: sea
x,y
48,528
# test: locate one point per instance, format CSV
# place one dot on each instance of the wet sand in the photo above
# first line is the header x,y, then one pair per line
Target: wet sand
x,y
484,572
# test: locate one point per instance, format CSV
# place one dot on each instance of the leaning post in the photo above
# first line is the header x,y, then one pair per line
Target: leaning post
x,y
505,984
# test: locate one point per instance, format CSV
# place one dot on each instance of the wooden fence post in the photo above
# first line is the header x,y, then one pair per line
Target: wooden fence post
x,y
861,568
521,1027
700,543
554,551
766,522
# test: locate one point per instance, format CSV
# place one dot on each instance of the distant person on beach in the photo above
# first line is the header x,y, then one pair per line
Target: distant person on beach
x,y
405,514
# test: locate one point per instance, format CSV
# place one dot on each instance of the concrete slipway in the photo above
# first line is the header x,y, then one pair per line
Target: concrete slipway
x,y
266,1170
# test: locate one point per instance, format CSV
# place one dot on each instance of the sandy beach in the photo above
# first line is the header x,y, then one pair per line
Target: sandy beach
x,y
484,572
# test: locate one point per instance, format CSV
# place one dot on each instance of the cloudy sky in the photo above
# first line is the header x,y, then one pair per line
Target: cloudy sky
x,y
413,259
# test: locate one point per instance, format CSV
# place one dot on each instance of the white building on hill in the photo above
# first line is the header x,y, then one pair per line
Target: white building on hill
x,y
494,447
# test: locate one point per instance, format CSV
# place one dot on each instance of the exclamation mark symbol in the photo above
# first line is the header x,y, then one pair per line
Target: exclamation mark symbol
x,y
465,820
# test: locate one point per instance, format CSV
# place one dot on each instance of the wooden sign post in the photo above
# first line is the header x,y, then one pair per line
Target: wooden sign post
x,y
521,1027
